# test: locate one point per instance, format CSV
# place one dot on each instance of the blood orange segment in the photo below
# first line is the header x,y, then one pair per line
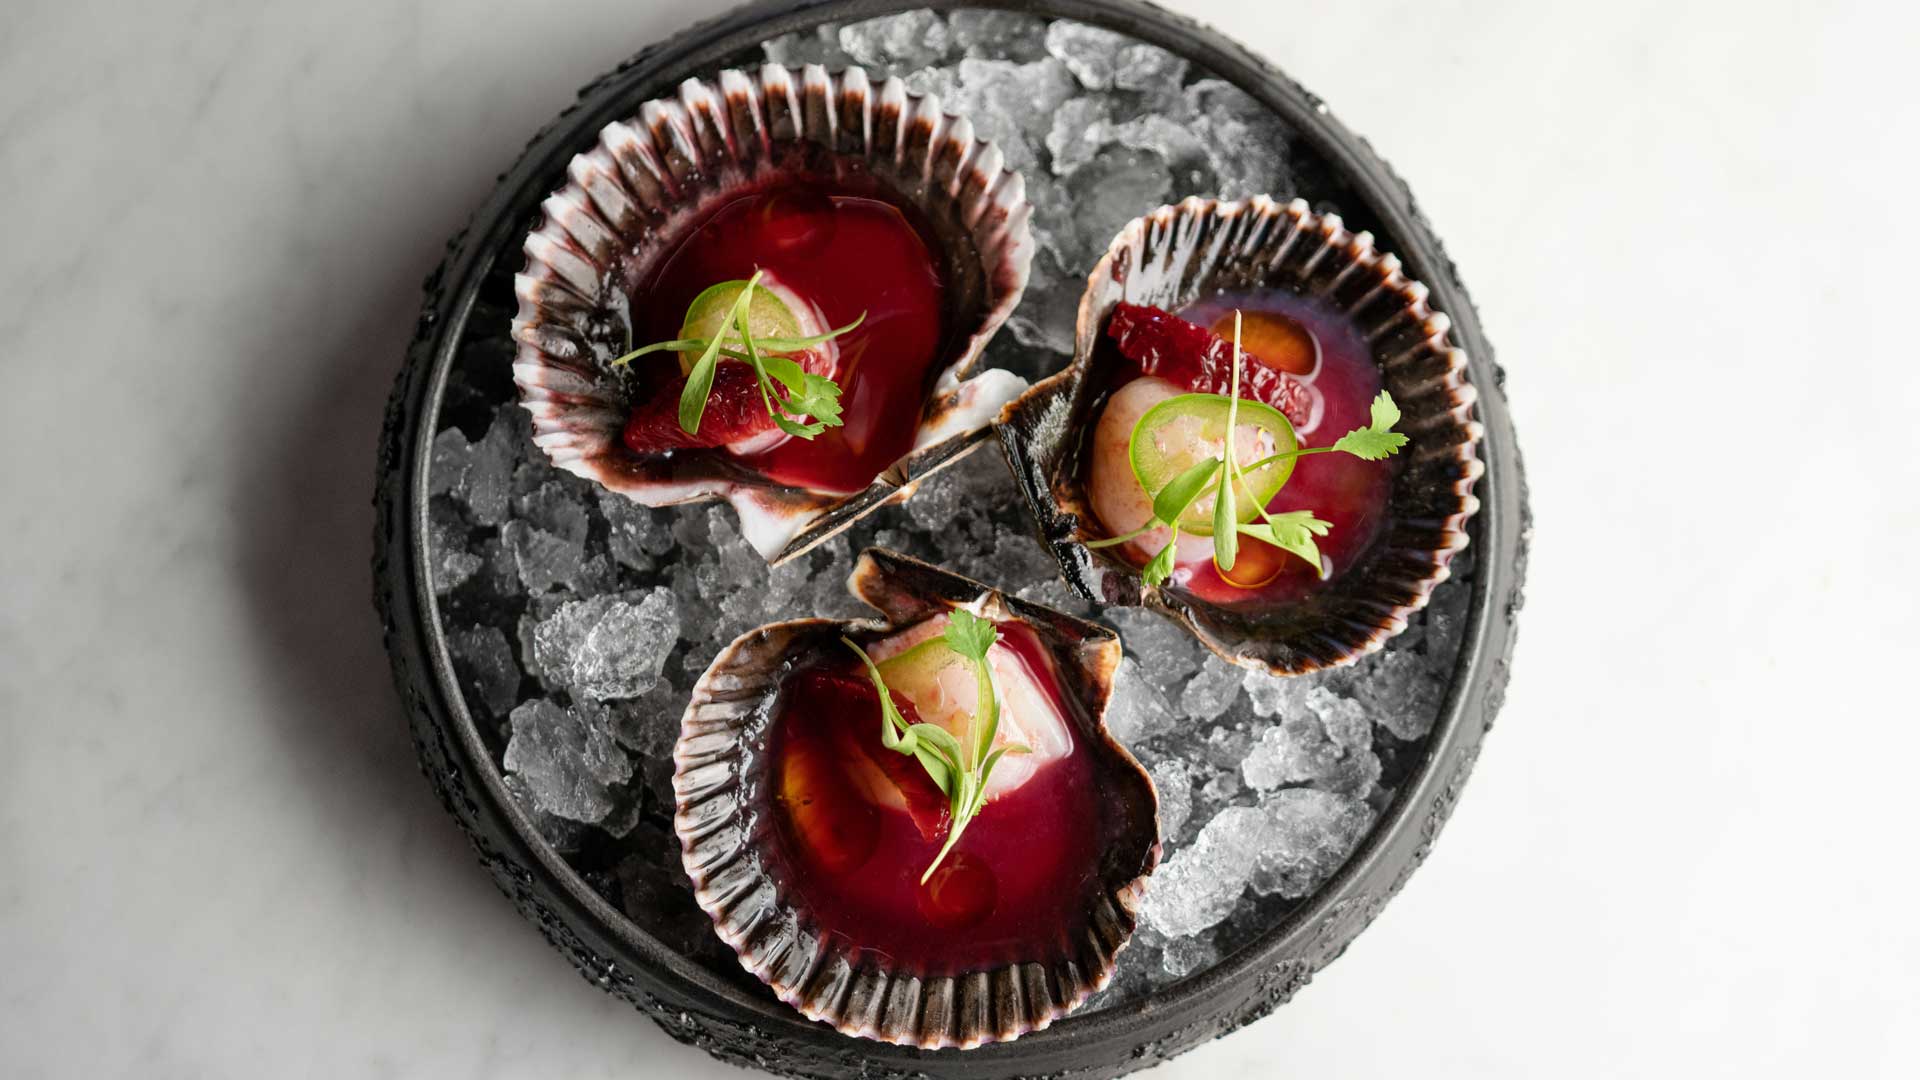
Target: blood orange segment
x,y
1272,339
1191,355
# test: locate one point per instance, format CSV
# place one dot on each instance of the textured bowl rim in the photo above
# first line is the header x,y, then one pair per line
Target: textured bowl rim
x,y
1406,339
647,176
689,1002
715,795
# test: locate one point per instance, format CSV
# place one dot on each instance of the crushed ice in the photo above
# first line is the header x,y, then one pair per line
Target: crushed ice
x,y
577,621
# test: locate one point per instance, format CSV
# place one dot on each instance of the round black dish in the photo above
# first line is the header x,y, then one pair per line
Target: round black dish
x,y
686,1000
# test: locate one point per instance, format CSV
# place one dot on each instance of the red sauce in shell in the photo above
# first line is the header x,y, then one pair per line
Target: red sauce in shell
x,y
849,251
1343,490
1016,885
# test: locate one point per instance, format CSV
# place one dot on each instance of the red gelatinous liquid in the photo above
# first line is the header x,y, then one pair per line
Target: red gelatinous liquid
x,y
1188,354
1343,490
848,253
1015,885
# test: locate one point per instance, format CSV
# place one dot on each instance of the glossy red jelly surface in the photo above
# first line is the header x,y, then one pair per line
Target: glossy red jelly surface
x,y
848,252
1015,887
1319,349
1188,354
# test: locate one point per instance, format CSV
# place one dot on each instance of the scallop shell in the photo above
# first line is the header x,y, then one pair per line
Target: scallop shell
x,y
649,177
720,784
1199,247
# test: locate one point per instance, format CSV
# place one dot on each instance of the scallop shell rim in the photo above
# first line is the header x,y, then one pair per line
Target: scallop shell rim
x,y
648,173
1313,253
716,814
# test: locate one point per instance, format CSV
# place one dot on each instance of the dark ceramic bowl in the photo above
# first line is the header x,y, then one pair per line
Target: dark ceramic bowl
x,y
752,1029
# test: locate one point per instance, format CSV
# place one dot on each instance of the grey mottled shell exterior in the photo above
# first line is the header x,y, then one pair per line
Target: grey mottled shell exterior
x,y
650,176
720,788
1199,247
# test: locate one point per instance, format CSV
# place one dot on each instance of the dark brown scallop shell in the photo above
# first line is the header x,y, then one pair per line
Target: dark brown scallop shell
x,y
1197,248
635,192
722,817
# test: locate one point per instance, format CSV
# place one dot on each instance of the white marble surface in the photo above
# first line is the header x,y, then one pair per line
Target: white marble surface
x,y
1688,846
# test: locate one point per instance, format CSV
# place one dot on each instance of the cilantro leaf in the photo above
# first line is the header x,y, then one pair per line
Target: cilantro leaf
x,y
1292,531
1378,439
970,635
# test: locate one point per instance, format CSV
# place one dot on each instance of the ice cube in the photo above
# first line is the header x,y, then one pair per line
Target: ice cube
x,y
1175,789
1311,833
896,43
1090,52
1080,129
1011,104
1198,886
1212,690
544,561
565,835
490,465
1400,693
997,35
1185,955
1138,710
1161,645
487,670
1112,188
555,508
1273,695
608,646
596,575
1055,594
1301,750
1149,69
1045,317
1245,143
1220,788
451,458
1015,561
450,563
569,762
1343,718
939,82
821,45
649,724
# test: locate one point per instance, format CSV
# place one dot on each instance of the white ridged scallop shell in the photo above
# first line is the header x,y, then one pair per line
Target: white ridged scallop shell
x,y
648,177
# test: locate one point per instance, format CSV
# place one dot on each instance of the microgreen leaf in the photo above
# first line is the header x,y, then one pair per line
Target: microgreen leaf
x,y
1226,540
986,770
682,345
1378,439
787,345
970,635
894,732
1184,490
1160,567
958,765
1292,531
1124,537
693,399
815,398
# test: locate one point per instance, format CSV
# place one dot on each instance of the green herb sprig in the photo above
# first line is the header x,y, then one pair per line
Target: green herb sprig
x,y
958,765
1294,531
801,403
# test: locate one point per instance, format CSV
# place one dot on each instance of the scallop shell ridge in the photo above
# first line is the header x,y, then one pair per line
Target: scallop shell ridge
x,y
718,775
1201,246
642,183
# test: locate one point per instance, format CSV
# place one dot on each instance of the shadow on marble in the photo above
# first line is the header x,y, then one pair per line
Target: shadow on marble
x,y
306,520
